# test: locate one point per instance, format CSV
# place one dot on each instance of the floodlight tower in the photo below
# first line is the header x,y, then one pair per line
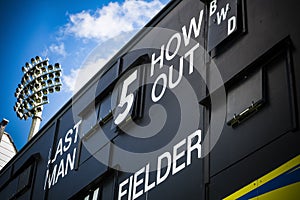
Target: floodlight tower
x,y
40,78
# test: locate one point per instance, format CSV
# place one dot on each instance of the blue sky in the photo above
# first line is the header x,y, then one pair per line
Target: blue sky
x,y
65,31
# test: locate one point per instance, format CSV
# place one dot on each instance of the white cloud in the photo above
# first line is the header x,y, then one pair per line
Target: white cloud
x,y
111,20
112,25
78,77
96,59
70,80
58,49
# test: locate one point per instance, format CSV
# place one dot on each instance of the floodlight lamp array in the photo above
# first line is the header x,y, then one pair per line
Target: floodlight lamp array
x,y
40,79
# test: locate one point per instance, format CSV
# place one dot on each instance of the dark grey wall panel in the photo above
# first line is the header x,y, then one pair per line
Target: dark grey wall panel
x,y
255,166
275,118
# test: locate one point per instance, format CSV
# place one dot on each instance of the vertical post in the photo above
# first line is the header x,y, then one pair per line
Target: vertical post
x,y
2,127
35,124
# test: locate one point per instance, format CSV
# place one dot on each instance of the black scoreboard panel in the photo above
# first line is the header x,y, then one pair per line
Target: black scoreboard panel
x,y
269,137
90,150
22,173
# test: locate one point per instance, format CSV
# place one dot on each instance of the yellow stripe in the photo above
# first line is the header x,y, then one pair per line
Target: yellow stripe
x,y
243,191
290,192
280,170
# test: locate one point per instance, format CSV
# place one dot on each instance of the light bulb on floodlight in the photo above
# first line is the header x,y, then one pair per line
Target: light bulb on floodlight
x,y
51,75
33,97
38,100
20,115
45,91
50,67
49,82
45,98
23,81
38,58
45,63
37,72
33,61
28,65
24,69
39,93
26,91
57,88
26,106
27,113
26,77
31,103
37,86
57,80
57,66
39,109
58,73
44,69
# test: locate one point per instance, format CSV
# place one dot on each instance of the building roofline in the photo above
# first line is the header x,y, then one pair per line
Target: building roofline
x,y
12,141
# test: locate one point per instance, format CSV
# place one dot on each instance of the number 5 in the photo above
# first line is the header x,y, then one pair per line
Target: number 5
x,y
126,98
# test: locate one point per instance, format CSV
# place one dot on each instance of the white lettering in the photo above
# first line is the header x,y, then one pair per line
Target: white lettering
x,y
136,183
196,29
222,16
191,147
159,59
164,163
64,165
122,193
46,179
68,140
171,84
70,161
231,24
177,156
164,85
59,150
76,127
147,186
61,170
176,37
212,7
159,178
51,181
130,188
190,54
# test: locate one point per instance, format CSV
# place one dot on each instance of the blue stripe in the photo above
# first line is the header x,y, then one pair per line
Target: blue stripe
x,y
287,178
